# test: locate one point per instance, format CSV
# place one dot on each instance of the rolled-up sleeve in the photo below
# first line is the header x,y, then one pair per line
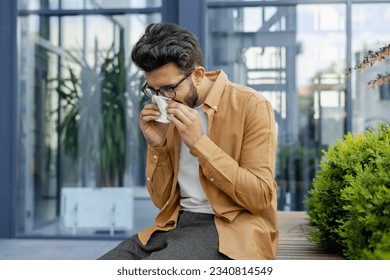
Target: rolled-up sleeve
x,y
159,175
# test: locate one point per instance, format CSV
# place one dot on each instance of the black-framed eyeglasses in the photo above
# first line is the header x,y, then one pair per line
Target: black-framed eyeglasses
x,y
166,91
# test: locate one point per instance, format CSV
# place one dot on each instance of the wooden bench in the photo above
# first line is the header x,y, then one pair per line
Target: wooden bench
x,y
293,243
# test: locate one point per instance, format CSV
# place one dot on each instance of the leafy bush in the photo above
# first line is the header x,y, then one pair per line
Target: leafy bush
x,y
349,204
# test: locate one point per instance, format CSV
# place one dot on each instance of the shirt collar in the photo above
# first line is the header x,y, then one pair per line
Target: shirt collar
x,y
220,80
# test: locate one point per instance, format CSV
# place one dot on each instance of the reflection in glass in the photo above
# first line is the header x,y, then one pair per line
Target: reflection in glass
x,y
368,33
78,112
320,84
295,57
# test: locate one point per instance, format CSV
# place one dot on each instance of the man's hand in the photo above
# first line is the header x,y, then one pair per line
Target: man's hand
x,y
154,132
187,122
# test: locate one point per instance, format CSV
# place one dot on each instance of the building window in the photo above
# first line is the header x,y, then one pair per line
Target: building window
x,y
78,107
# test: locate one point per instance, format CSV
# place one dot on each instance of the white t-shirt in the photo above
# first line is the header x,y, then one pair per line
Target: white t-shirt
x,y
192,195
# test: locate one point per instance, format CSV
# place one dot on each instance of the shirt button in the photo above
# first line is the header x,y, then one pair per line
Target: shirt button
x,y
212,179
148,179
215,107
155,157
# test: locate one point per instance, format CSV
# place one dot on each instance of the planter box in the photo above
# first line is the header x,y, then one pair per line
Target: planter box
x,y
97,208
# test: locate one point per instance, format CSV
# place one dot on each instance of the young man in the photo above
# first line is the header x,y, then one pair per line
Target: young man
x,y
210,170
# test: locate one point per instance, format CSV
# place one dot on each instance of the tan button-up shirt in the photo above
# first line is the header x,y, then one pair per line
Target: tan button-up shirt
x,y
236,171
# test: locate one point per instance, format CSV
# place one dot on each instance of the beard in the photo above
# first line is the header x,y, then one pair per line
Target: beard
x,y
192,97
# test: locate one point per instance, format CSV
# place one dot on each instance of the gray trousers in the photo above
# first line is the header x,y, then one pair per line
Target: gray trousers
x,y
194,238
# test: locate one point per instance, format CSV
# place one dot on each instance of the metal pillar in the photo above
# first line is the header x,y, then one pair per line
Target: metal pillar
x,y
188,14
7,118
348,93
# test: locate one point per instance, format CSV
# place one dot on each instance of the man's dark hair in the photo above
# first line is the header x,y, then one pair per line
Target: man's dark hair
x,y
165,43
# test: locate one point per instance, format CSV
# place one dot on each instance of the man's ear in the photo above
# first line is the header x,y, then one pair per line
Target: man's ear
x,y
198,74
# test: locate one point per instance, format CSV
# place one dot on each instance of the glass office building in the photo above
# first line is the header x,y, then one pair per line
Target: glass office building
x,y
72,155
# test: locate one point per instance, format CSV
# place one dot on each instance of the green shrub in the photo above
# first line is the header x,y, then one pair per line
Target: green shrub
x,y
349,205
